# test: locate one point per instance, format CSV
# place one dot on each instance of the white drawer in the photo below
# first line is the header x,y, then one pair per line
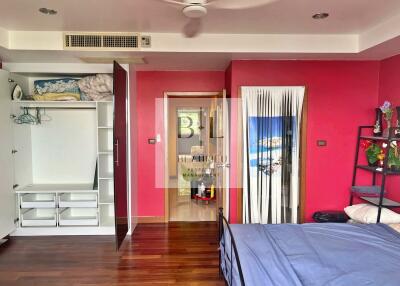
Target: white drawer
x,y
78,217
39,217
77,200
44,200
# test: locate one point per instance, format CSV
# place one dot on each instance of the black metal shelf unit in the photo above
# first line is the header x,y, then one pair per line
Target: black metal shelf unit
x,y
374,194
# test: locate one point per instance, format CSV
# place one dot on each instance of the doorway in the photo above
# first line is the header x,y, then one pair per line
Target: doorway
x,y
195,173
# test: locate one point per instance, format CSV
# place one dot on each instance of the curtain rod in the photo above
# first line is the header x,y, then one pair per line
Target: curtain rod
x,y
50,107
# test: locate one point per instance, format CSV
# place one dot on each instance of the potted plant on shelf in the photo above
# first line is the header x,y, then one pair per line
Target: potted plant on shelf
x,y
373,152
376,155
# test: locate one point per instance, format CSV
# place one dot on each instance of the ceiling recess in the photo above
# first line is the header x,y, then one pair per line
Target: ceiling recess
x,y
102,41
109,60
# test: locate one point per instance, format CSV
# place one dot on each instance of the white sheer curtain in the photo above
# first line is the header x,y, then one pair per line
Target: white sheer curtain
x,y
271,139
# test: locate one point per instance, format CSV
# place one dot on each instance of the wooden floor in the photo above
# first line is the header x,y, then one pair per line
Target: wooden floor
x,y
158,254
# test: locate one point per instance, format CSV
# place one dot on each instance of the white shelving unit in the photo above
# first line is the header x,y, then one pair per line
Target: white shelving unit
x,y
54,188
49,177
105,117
45,204
105,157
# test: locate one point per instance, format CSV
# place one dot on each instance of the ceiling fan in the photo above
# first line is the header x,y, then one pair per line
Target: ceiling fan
x,y
195,10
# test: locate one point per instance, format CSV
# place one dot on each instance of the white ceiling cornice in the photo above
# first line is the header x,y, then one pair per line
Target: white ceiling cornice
x,y
172,51
4,38
254,43
226,43
380,33
28,40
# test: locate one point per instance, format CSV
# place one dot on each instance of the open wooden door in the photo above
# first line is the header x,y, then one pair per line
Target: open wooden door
x,y
120,154
223,161
7,201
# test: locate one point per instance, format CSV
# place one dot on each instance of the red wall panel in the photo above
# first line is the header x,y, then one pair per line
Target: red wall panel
x,y
341,96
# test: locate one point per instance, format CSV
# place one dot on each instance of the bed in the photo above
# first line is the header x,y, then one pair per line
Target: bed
x,y
309,254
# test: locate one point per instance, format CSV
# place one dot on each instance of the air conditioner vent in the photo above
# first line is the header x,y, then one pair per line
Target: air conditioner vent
x,y
120,41
102,41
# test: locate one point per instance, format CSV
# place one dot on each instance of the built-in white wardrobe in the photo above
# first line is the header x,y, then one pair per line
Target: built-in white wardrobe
x,y
57,174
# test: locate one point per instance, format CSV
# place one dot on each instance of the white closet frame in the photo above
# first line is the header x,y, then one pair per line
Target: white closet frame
x,y
97,203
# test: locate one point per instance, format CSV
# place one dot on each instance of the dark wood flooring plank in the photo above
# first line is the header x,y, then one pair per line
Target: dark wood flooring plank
x,y
157,254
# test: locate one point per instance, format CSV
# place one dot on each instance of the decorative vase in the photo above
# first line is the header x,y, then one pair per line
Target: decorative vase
x,y
378,122
386,132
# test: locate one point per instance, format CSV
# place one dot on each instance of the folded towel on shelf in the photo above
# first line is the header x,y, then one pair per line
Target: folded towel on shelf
x,y
60,85
97,87
66,96
61,89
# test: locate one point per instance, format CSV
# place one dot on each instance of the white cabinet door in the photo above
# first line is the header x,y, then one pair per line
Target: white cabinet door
x,y
7,206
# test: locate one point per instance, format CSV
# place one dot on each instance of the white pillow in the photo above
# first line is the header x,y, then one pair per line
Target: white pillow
x,y
365,213
395,226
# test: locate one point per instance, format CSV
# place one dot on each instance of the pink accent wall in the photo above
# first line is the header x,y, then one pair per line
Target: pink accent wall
x,y
341,96
390,90
150,86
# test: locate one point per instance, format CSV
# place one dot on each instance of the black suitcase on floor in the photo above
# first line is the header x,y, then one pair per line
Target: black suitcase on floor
x,y
330,216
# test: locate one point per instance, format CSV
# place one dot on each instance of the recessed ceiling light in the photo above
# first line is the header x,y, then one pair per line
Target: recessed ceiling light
x,y
320,16
47,11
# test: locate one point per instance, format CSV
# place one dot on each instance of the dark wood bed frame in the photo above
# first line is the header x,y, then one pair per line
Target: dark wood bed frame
x,y
223,230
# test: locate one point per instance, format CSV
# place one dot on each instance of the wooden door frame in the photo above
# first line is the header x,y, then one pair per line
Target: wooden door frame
x,y
303,159
169,94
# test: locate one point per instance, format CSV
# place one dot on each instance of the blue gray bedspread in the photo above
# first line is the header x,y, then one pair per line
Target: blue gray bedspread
x,y
315,254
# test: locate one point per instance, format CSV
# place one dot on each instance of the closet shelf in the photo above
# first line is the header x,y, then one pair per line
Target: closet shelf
x,y
375,138
56,188
385,203
58,104
106,152
105,204
378,170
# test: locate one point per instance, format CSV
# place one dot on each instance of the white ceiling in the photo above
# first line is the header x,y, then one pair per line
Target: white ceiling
x,y
284,29
280,17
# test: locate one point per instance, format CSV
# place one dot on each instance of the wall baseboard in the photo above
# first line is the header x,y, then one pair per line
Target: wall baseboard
x,y
150,219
